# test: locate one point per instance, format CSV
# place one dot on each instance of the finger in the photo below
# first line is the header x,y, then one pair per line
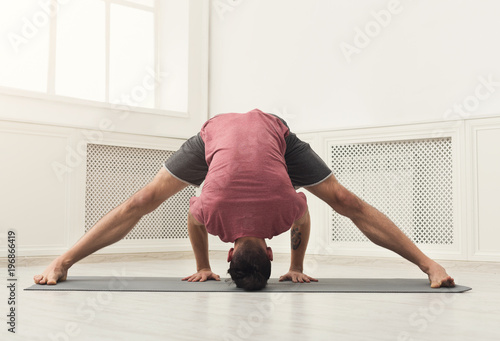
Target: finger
x,y
312,279
217,277
307,280
298,279
187,278
36,278
203,278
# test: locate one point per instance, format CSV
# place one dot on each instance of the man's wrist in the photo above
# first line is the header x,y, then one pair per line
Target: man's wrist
x,y
296,268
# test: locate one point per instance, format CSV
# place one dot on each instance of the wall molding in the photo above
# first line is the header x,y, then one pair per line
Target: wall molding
x,y
454,129
474,127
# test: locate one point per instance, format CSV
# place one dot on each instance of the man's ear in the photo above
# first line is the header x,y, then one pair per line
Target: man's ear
x,y
230,254
269,252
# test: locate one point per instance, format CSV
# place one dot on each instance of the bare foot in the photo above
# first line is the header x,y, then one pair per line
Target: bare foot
x,y
55,272
439,278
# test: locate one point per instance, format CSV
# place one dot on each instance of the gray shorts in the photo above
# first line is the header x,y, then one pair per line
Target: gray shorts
x,y
305,167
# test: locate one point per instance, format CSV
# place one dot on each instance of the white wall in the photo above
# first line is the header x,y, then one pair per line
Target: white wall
x,y
332,67
284,56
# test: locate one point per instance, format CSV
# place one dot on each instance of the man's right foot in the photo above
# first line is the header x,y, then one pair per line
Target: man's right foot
x,y
438,277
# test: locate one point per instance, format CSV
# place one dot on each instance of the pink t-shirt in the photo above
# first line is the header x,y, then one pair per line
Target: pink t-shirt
x,y
247,191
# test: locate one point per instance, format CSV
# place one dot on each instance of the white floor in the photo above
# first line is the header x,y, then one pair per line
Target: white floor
x,y
474,315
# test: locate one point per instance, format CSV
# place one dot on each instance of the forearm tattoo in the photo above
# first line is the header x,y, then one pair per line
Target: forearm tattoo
x,y
296,238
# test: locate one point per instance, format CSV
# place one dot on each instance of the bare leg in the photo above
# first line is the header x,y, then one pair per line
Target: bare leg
x,y
113,226
378,228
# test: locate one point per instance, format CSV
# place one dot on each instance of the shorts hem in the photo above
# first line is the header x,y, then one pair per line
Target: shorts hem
x,y
175,176
316,183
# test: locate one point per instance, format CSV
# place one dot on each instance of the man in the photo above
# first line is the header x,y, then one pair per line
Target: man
x,y
247,196
222,207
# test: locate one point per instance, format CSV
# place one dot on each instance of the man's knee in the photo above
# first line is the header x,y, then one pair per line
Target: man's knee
x,y
345,202
163,186
144,201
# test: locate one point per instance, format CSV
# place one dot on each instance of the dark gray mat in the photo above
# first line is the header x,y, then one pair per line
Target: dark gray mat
x,y
174,284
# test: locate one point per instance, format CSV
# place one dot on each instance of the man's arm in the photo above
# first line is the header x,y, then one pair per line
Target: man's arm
x,y
299,235
198,236
113,226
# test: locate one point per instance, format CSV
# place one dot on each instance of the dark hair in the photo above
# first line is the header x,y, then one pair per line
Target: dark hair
x,y
250,267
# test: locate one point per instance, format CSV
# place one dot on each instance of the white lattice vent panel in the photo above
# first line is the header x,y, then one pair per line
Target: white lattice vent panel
x,y
115,173
410,181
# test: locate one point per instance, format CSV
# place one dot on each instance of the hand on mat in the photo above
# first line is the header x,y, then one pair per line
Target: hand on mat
x,y
54,273
297,277
202,276
438,277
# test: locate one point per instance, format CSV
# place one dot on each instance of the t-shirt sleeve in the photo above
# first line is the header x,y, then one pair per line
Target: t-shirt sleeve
x,y
196,209
283,128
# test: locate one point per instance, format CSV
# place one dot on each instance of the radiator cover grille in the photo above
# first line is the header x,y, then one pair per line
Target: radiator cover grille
x,y
114,173
410,181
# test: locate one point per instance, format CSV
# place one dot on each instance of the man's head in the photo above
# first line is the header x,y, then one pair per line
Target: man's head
x,y
250,266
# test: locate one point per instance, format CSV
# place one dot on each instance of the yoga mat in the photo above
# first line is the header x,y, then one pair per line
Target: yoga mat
x,y
174,284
